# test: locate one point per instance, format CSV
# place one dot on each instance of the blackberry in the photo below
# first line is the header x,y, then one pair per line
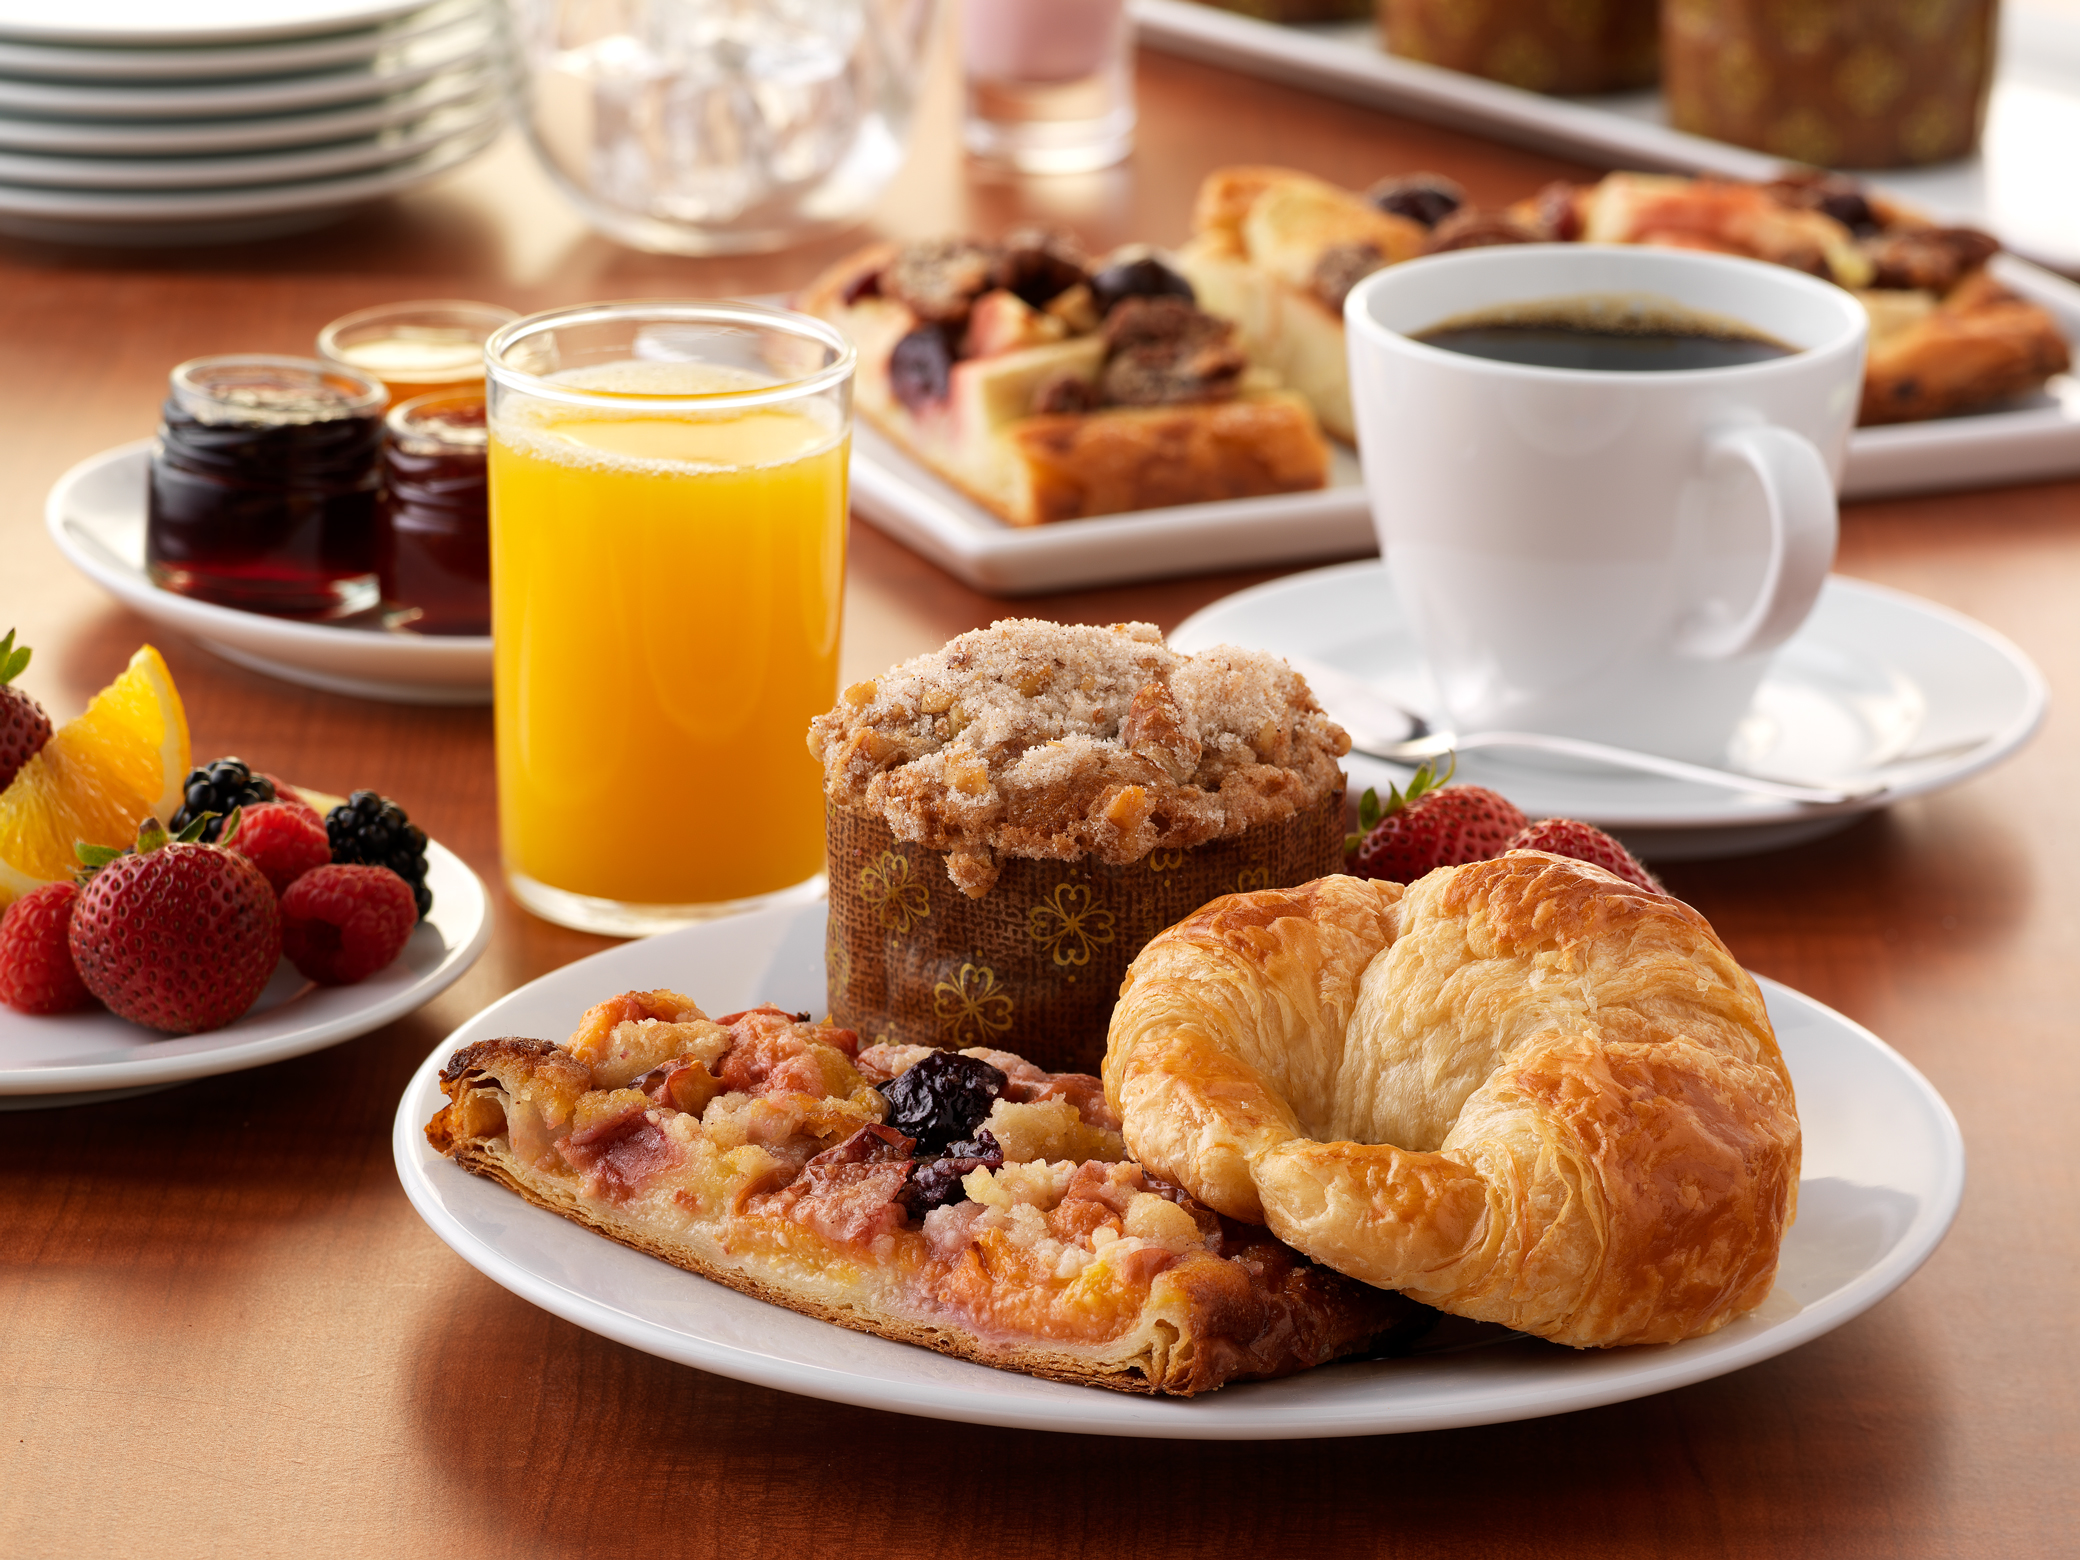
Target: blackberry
x,y
942,1099
372,831
219,786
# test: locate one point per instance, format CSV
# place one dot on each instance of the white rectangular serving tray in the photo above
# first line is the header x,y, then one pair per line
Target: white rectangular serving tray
x,y
2023,186
2025,441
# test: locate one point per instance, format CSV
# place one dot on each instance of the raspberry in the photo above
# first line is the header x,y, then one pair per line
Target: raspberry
x,y
342,923
37,974
284,840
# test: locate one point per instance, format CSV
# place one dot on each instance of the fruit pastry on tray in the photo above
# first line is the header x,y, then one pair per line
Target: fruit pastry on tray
x,y
964,1201
1049,386
1277,251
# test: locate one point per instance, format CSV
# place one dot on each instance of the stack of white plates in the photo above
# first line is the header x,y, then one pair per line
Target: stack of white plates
x,y
200,121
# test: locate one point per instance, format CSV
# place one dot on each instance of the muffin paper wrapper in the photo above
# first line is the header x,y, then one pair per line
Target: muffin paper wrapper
x,y
1033,966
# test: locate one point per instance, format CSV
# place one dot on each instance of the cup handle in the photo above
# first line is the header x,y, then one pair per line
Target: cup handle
x,y
1803,525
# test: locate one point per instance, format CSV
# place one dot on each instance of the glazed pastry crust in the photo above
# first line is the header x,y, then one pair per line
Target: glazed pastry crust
x,y
1521,1090
1979,345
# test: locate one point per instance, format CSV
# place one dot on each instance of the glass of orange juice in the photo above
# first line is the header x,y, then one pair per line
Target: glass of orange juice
x,y
668,508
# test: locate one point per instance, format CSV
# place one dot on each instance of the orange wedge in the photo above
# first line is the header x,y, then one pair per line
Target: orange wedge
x,y
96,778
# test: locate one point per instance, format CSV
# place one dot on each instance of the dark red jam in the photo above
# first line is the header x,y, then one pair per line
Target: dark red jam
x,y
434,545
263,486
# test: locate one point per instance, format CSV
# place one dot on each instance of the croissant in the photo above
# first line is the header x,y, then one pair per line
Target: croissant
x,y
1522,1090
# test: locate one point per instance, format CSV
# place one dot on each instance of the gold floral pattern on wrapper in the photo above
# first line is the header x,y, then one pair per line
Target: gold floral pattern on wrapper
x,y
897,899
1539,45
1034,965
1847,83
972,1008
1068,925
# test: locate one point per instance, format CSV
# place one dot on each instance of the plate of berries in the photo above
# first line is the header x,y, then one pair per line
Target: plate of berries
x,y
258,922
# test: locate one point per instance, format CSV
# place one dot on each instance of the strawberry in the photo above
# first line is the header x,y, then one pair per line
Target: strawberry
x,y
342,923
24,728
1566,837
1433,824
178,935
36,969
283,839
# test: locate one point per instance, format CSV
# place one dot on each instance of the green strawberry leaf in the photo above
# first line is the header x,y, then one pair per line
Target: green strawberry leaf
x,y
195,826
12,661
94,857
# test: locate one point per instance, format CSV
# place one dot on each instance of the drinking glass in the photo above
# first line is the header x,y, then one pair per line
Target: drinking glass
x,y
1050,83
721,126
668,490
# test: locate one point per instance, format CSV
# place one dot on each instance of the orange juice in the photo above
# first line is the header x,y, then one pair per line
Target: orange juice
x,y
666,600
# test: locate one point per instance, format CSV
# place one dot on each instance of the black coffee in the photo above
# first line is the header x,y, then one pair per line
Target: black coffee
x,y
1621,334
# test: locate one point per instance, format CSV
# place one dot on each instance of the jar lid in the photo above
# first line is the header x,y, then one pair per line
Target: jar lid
x,y
254,390
448,422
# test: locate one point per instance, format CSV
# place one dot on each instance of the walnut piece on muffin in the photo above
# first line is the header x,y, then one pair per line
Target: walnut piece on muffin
x,y
1039,739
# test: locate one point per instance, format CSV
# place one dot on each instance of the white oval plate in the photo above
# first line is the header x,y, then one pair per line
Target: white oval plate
x,y
65,62
1884,1171
394,68
145,23
381,150
69,1058
96,516
1873,680
267,132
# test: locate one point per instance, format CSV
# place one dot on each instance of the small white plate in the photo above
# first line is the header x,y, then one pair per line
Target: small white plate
x,y
71,1058
96,516
63,62
1883,1174
191,23
899,496
383,150
267,132
396,68
1874,679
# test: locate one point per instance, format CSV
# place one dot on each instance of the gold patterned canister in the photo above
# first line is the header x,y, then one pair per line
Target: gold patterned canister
x,y
1540,45
1836,83
1033,965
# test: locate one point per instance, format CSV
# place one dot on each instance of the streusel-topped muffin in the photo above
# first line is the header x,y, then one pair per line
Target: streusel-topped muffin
x,y
1011,817
1054,740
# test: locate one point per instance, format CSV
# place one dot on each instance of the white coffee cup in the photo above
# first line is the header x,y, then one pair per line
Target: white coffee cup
x,y
1603,554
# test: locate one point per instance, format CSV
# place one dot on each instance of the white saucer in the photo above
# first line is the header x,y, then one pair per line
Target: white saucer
x,y
190,23
73,1058
68,62
269,132
1875,677
96,516
1883,1174
407,64
385,149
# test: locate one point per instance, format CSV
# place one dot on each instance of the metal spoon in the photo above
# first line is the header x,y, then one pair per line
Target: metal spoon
x,y
1383,729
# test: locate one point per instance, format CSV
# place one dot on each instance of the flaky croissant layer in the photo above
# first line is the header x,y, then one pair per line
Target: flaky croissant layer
x,y
1521,1090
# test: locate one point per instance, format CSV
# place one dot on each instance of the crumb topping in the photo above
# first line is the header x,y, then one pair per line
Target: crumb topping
x,y
1041,739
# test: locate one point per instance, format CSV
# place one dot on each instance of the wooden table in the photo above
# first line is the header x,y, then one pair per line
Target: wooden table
x,y
224,1332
